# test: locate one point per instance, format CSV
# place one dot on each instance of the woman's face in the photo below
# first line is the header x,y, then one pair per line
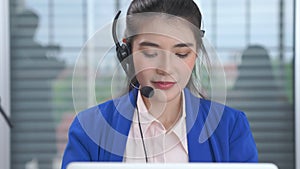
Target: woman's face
x,y
164,58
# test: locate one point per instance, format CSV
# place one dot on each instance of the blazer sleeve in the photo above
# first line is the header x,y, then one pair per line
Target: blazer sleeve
x,y
78,146
242,144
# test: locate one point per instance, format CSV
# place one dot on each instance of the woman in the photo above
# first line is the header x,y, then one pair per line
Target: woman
x,y
164,117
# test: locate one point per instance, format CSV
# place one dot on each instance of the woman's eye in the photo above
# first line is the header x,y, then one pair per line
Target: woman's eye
x,y
182,55
149,53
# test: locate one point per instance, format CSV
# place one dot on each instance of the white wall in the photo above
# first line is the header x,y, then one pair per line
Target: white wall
x,y
4,85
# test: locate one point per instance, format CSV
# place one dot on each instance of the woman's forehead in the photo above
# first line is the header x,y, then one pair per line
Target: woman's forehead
x,y
162,41
173,27
174,30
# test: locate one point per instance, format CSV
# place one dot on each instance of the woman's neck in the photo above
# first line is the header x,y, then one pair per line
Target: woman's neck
x,y
168,113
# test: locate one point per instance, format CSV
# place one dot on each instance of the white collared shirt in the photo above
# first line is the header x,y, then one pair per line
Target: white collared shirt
x,y
162,146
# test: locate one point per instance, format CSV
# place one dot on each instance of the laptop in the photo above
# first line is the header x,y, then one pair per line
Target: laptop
x,y
101,165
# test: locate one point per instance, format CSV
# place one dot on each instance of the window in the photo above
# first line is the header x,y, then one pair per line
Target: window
x,y
4,85
297,81
255,44
46,37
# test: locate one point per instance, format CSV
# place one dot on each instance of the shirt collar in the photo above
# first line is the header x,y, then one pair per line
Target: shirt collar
x,y
147,119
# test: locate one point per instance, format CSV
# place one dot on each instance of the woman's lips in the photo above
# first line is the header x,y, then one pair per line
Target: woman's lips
x,y
163,85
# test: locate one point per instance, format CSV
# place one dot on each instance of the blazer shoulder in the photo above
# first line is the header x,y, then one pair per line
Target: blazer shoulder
x,y
227,112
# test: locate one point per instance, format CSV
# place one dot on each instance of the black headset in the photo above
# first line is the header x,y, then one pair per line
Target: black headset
x,y
124,50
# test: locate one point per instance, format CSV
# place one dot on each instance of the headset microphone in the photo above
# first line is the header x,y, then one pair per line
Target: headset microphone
x,y
147,91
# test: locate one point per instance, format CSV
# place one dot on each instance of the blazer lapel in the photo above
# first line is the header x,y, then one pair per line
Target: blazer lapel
x,y
195,118
121,122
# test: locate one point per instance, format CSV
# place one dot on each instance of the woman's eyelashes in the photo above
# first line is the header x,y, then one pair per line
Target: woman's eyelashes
x,y
150,53
182,55
154,53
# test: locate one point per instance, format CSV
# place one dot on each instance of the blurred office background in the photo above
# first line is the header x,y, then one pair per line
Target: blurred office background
x,y
253,39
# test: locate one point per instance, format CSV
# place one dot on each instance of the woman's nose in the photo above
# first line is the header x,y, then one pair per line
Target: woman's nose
x,y
165,64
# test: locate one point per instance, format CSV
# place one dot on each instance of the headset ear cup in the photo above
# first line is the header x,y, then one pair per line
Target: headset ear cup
x,y
129,61
126,51
123,52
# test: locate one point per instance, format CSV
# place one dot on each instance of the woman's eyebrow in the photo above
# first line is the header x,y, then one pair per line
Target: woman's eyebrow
x,y
183,45
149,44
179,45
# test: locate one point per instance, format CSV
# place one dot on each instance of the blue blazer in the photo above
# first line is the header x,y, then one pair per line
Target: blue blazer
x,y
215,133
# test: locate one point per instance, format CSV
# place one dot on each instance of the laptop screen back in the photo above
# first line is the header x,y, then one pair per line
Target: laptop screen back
x,y
101,165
